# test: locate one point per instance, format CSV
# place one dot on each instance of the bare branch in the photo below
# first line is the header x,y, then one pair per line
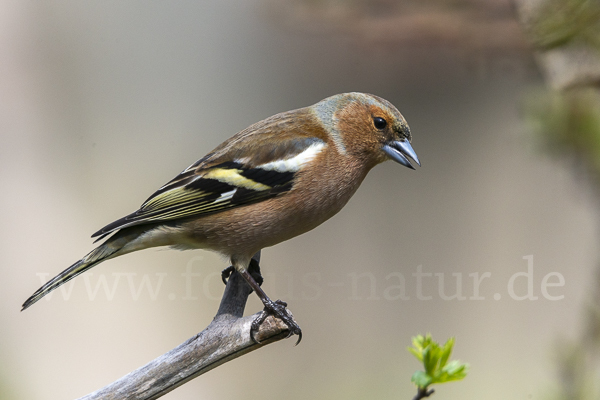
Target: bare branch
x,y
422,393
463,24
227,337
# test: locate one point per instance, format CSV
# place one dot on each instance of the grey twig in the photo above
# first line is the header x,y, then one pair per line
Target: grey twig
x,y
227,337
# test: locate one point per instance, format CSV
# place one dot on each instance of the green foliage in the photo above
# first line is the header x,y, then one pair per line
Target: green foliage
x,y
435,360
564,21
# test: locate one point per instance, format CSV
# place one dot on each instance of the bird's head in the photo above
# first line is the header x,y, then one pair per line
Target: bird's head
x,y
368,127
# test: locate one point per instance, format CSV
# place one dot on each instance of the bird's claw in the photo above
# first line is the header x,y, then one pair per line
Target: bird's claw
x,y
278,310
226,273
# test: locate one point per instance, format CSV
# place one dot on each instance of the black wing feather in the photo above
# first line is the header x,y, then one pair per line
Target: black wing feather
x,y
196,196
220,181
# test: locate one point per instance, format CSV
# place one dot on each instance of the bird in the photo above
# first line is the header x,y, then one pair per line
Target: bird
x,y
274,180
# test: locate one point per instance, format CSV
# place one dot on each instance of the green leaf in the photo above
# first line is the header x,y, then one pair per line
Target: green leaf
x,y
455,370
421,379
435,362
418,346
416,352
430,360
446,352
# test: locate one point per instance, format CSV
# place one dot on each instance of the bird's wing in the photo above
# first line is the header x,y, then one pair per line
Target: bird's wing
x,y
226,179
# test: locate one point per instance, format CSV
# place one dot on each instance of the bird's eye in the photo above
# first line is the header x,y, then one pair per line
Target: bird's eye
x,y
379,123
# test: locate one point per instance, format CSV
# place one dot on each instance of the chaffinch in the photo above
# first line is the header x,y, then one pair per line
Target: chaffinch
x,y
274,180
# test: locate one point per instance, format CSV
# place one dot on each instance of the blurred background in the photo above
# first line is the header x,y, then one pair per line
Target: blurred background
x,y
493,240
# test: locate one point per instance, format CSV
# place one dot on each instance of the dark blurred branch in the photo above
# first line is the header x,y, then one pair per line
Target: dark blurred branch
x,y
463,24
422,393
227,337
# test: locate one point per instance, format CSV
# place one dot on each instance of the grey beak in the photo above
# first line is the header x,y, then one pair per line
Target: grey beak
x,y
400,151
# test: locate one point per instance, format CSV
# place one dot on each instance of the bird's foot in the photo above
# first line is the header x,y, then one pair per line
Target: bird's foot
x,y
278,310
226,273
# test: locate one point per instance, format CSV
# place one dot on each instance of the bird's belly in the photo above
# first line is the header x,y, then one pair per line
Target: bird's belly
x,y
245,230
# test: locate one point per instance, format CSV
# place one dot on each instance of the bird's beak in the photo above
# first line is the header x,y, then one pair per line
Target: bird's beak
x,y
400,151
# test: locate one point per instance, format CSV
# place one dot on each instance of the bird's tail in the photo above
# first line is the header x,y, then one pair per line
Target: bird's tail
x,y
93,258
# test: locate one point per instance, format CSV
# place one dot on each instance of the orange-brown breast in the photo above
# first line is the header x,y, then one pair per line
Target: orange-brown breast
x,y
319,192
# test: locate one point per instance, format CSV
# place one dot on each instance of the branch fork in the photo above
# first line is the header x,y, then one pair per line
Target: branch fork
x,y
226,338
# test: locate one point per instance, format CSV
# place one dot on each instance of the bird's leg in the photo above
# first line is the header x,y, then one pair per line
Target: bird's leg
x,y
275,308
253,268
